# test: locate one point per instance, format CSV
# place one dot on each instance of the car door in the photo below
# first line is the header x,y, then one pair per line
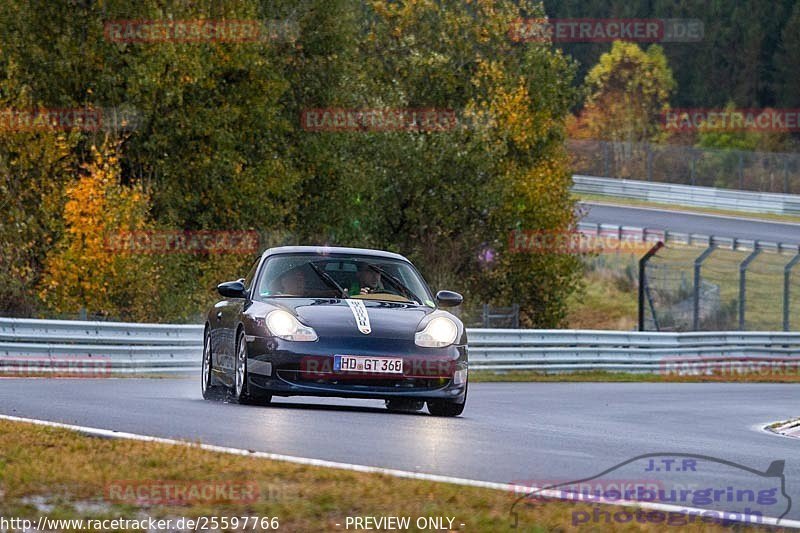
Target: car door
x,y
228,316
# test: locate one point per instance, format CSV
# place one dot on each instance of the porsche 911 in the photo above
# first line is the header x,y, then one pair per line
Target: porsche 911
x,y
336,322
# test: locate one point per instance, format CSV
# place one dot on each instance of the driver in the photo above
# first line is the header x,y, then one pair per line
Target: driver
x,y
368,280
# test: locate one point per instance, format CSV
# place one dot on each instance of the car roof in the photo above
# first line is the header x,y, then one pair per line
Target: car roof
x,y
331,250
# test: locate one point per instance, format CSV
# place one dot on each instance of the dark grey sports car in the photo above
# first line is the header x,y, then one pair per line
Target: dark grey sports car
x,y
323,321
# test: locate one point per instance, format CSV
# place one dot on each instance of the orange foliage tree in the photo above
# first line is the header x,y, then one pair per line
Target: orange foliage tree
x,y
84,272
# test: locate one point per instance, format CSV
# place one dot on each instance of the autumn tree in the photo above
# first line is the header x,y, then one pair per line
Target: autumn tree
x,y
86,270
629,90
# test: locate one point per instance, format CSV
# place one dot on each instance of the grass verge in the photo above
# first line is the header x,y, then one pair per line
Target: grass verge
x,y
66,475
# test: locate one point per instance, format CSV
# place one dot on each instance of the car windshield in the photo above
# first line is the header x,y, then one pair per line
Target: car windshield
x,y
338,276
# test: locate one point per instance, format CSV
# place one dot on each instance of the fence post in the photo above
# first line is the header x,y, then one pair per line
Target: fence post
x,y
787,274
743,281
649,161
515,310
785,175
643,279
698,263
486,315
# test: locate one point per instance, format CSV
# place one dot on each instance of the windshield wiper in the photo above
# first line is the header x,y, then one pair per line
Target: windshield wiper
x,y
329,280
399,285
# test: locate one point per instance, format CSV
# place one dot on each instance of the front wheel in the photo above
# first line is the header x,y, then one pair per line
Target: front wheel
x,y
446,407
209,389
241,386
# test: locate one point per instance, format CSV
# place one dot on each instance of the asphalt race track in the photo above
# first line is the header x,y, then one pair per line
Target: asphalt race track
x,y
509,432
687,222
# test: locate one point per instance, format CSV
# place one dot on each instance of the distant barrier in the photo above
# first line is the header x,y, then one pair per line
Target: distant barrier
x,y
711,197
55,347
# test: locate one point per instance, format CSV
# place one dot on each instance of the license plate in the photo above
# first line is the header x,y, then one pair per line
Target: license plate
x,y
362,363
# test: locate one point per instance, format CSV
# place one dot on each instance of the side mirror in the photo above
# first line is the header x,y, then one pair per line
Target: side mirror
x,y
232,289
448,299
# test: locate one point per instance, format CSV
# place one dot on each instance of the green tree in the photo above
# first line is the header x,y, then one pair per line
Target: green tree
x,y
444,197
787,62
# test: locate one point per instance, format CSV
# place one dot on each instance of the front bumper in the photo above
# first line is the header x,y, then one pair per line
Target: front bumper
x,y
287,368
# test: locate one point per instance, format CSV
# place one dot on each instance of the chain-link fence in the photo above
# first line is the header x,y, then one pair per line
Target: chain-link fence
x,y
717,289
686,165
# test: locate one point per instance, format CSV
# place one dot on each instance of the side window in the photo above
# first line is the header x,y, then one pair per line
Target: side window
x,y
248,281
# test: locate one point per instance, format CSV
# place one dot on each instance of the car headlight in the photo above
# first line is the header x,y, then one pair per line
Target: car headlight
x,y
440,332
284,325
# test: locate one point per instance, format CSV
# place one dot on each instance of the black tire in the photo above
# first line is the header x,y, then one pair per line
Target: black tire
x,y
240,393
446,407
241,387
210,390
404,406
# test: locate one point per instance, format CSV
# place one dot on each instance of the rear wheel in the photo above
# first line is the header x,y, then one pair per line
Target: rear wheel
x,y
209,389
404,406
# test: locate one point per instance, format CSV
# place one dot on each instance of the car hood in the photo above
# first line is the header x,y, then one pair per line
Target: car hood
x,y
388,320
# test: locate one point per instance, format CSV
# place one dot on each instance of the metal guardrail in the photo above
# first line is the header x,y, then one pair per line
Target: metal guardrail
x,y
29,346
569,350
633,234
757,202
64,347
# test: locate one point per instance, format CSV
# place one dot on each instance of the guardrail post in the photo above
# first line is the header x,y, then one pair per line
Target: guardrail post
x,y
698,263
643,280
787,275
743,281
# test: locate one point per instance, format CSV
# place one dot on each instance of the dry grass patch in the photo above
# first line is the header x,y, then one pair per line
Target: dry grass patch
x,y
71,473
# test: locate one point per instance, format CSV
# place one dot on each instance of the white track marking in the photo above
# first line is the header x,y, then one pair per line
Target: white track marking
x,y
506,487
762,428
